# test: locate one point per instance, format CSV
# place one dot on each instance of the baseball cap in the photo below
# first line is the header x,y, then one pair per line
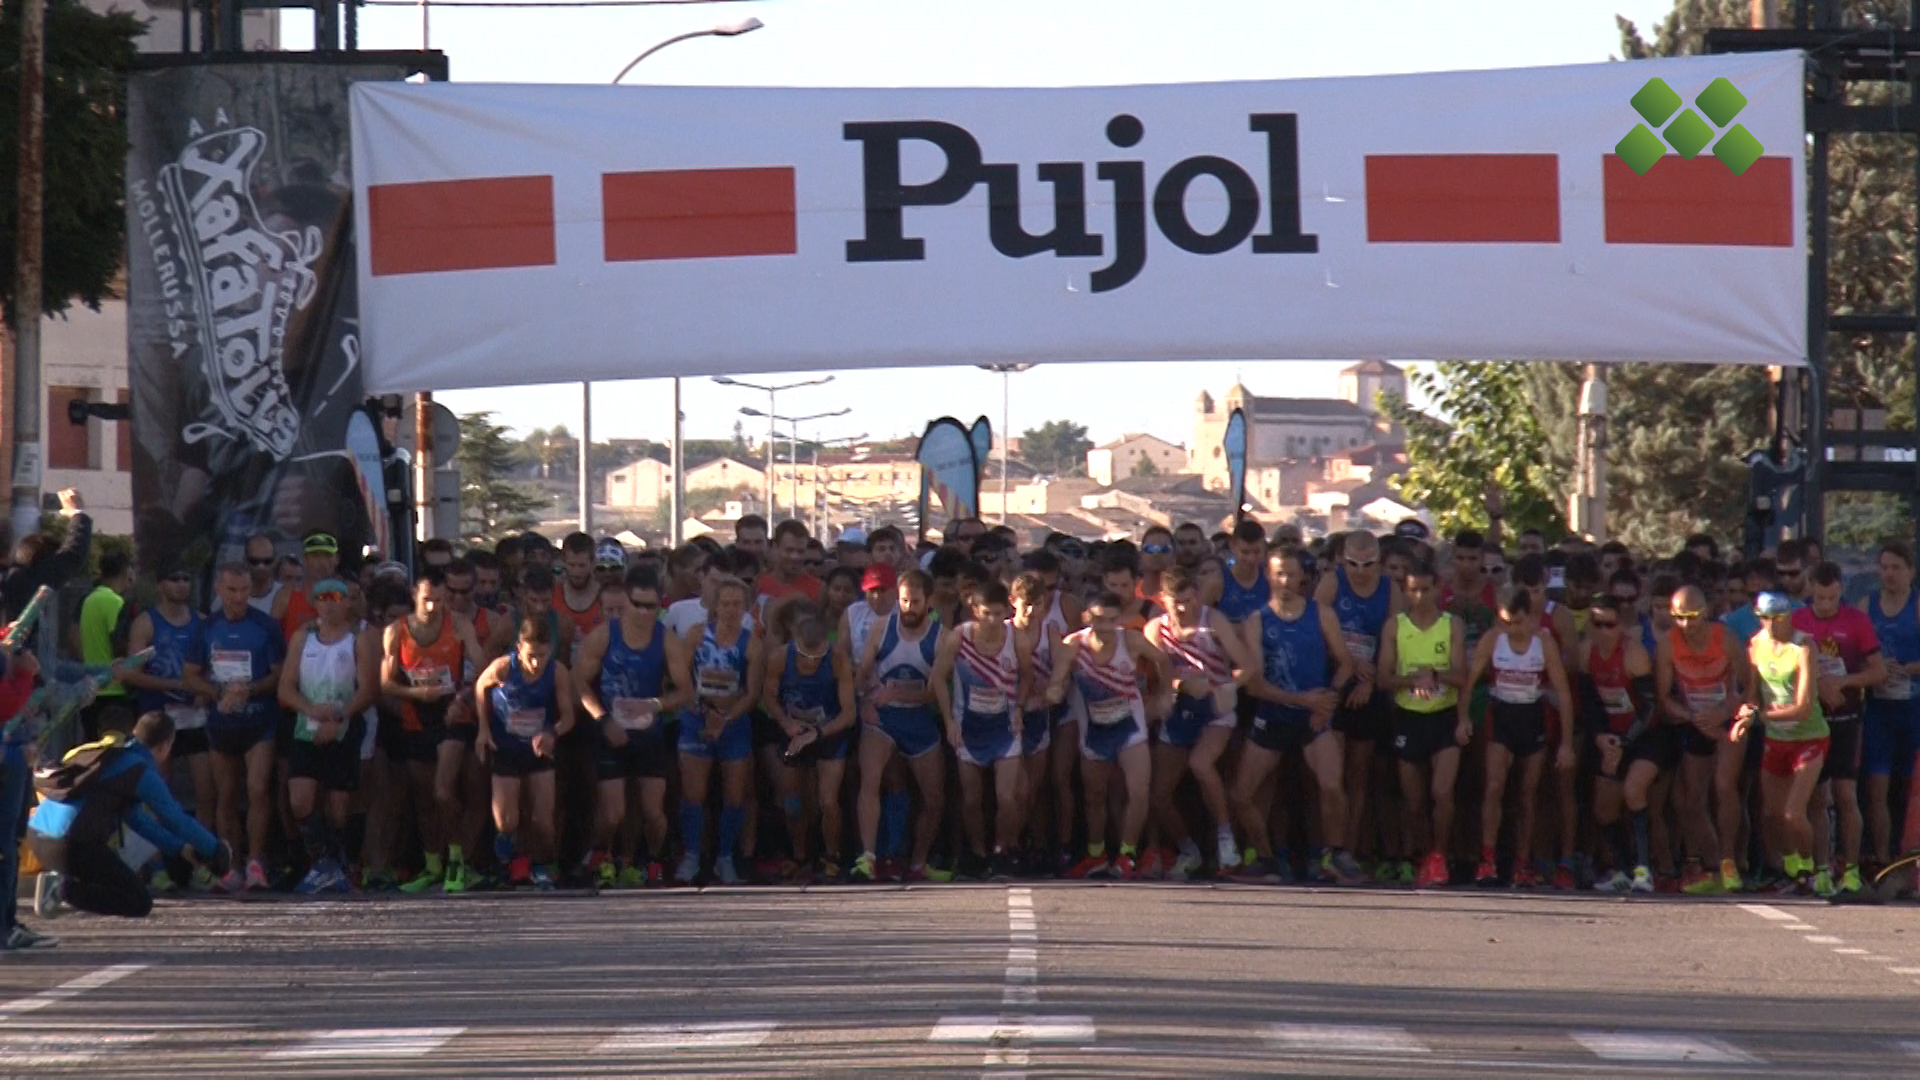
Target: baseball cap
x,y
1770,605
853,534
1412,529
321,543
879,576
609,553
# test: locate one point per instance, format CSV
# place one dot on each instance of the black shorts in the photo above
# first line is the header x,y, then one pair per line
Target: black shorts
x,y
766,732
1371,722
1843,749
517,760
1280,728
1417,736
336,765
283,735
645,756
234,740
1522,729
190,742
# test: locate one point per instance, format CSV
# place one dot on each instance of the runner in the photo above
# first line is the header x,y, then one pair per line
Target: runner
x,y
1784,696
1037,628
236,665
1699,677
626,664
1847,650
1053,754
1105,663
330,678
263,584
1422,663
1890,736
809,695
1523,663
170,628
525,704
1156,555
1617,694
1363,602
1303,659
576,596
1210,663
897,664
293,608
750,535
424,669
609,562
726,658
979,680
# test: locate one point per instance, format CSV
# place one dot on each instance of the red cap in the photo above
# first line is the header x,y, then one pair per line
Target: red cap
x,y
879,576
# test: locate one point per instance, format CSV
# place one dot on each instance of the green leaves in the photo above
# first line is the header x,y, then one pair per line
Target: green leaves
x,y
491,504
1490,433
1057,448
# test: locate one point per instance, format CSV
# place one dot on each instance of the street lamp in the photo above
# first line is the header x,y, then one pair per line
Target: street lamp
x,y
1007,372
820,494
793,448
770,391
676,458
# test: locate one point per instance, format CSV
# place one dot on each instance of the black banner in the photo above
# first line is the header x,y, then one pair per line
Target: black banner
x,y
242,344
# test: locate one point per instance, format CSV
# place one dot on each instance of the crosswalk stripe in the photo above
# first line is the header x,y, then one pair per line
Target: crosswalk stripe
x,y
1768,911
1910,1047
369,1043
1651,1047
22,1050
655,1038
1029,1028
1344,1039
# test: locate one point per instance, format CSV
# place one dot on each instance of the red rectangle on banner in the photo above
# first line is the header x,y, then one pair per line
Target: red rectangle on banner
x,y
698,213
441,225
1463,198
1700,202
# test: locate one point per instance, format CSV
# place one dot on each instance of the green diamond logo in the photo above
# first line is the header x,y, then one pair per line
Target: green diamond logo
x,y
1640,149
1738,149
1721,101
1688,134
1656,101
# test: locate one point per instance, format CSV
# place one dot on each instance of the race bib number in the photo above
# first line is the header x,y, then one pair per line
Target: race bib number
x,y
232,666
1832,667
1517,687
1898,687
1616,699
1706,698
719,682
187,717
634,714
813,716
1107,712
431,676
908,685
1360,646
526,723
986,700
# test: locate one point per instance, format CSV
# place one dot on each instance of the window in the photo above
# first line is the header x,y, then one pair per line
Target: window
x,y
67,443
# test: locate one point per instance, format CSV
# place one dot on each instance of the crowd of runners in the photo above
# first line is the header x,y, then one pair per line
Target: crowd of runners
x,y
1397,710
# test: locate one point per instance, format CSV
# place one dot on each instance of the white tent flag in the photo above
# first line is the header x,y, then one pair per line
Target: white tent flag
x,y
1642,211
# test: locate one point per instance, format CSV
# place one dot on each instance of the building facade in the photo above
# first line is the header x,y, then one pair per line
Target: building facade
x,y
1123,458
1284,429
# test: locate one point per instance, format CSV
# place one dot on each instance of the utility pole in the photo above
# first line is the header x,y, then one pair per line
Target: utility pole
x,y
586,458
29,246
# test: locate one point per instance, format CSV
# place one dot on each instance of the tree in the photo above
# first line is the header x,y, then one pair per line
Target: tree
x,y
88,57
1491,436
491,505
1145,467
1057,448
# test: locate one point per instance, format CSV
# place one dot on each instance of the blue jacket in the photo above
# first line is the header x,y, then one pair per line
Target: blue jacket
x,y
153,813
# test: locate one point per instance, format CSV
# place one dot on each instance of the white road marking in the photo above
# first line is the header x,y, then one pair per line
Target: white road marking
x,y
1648,1047
1822,939
71,1048
1910,1047
369,1043
72,988
1769,912
965,1029
1905,971
1877,959
659,1038
1797,926
1851,952
1344,1039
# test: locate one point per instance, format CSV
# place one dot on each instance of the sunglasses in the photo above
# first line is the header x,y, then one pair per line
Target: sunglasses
x,y
453,591
329,595
1688,616
1073,551
1606,624
1156,549
268,561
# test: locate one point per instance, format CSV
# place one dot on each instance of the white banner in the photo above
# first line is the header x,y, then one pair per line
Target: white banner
x,y
1643,211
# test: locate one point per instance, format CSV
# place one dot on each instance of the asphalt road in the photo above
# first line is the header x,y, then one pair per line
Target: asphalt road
x,y
1040,980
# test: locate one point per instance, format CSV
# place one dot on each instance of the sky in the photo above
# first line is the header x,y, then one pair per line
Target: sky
x,y
976,43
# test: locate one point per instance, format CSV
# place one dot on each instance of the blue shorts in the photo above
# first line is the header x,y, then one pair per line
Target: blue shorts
x,y
1891,737
987,739
1191,716
734,744
1103,742
913,731
1036,729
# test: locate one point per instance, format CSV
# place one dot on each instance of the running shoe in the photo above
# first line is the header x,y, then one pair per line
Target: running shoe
x,y
1698,882
1125,869
630,877
829,872
256,876
1823,883
379,881
1642,880
1730,876
162,882
424,882
1000,867
520,872
21,939
543,878
315,881
1343,868
1668,884
1488,873
1316,868
1564,877
1186,867
1093,866
1406,873
1433,873
862,872
46,894
606,876
458,880
1614,882
724,873
1850,881
1153,865
235,881
915,875
892,869
688,869
202,880
939,875
1528,876
656,873
1229,854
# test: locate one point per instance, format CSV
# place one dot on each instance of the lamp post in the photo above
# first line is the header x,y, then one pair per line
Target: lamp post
x,y
793,448
1007,372
770,391
676,460
818,503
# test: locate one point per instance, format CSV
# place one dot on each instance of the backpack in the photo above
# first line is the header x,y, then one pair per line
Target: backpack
x,y
78,778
